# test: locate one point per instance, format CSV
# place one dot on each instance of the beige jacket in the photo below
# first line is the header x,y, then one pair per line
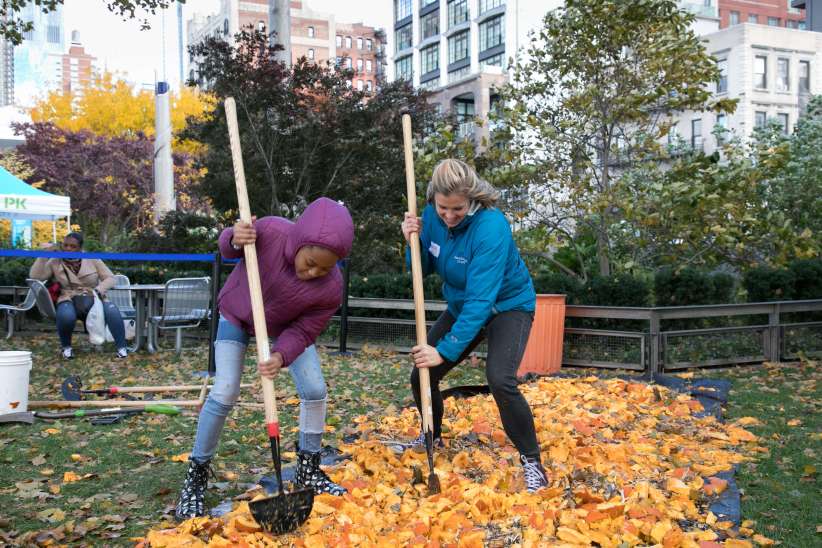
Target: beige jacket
x,y
93,274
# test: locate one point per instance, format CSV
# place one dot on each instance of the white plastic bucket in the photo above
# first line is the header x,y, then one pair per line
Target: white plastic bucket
x,y
15,366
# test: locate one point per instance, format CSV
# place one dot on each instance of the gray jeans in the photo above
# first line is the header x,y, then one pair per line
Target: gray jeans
x,y
229,355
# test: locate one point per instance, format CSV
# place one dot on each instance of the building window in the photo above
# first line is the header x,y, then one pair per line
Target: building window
x,y
225,27
311,53
53,34
696,134
494,61
783,75
402,9
339,41
368,66
403,37
721,128
491,33
486,5
429,59
802,25
360,85
782,118
761,72
359,43
338,61
359,65
404,68
459,74
804,76
791,24
369,44
722,83
311,32
753,18
733,18
261,26
760,118
457,12
773,21
430,24
348,62
464,111
348,42
458,47
369,86
673,134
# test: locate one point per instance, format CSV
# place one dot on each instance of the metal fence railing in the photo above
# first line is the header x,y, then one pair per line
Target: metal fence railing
x,y
654,339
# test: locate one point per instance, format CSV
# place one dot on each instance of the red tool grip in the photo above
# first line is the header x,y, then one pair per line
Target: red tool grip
x,y
273,429
113,390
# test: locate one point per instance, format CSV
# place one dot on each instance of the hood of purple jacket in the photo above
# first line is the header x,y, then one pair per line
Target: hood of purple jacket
x,y
324,223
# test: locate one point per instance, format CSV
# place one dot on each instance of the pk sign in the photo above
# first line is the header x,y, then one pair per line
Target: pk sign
x,y
10,202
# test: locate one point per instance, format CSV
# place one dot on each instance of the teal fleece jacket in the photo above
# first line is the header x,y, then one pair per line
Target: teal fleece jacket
x,y
482,271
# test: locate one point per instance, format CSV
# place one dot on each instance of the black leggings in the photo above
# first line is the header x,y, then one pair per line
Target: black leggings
x,y
507,334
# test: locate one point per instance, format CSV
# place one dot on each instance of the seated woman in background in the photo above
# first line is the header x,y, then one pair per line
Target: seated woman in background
x,y
77,278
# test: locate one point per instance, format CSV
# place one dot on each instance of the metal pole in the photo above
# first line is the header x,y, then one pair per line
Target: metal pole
x,y
344,308
216,272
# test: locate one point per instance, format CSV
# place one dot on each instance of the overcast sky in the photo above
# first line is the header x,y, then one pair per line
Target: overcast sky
x,y
120,45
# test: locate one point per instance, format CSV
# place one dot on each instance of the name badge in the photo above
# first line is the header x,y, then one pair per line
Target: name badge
x,y
434,249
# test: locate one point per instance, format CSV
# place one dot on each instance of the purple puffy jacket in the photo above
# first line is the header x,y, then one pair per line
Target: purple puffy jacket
x,y
296,311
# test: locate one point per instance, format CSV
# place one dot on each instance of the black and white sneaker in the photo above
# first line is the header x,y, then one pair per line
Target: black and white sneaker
x,y
310,475
192,496
122,353
534,474
68,353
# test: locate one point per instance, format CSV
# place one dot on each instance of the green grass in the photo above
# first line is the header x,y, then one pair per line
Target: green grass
x,y
781,491
135,482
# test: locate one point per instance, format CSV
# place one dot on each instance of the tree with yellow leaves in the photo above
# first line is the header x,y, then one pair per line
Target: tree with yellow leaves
x,y
111,107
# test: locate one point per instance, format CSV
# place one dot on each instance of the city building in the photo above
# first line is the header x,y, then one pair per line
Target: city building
x,y
77,66
774,13
772,72
813,13
317,36
38,60
461,50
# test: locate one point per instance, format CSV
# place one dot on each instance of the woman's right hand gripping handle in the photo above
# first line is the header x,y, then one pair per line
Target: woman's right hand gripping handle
x,y
410,225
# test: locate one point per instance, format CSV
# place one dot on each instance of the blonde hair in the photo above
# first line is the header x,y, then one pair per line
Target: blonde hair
x,y
456,177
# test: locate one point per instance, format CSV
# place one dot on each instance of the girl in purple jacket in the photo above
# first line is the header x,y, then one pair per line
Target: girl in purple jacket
x,y
302,288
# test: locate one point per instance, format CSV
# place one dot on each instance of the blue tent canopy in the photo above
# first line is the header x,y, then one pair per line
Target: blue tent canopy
x,y
19,200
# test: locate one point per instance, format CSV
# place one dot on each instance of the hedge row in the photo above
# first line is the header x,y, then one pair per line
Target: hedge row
x,y
800,280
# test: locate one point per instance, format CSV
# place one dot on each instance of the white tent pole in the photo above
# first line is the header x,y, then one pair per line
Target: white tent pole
x,y
54,231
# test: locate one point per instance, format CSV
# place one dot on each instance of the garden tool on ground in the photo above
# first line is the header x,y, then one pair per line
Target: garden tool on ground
x,y
82,413
72,389
282,512
419,308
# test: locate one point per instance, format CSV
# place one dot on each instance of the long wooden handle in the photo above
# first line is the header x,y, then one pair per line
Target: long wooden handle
x,y
58,404
162,388
253,270
416,275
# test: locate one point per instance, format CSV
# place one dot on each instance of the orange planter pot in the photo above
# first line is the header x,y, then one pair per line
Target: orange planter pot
x,y
543,354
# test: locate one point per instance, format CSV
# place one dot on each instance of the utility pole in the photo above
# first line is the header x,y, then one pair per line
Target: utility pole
x,y
279,17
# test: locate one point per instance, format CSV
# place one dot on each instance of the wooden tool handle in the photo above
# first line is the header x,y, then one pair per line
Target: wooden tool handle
x,y
416,274
253,270
58,404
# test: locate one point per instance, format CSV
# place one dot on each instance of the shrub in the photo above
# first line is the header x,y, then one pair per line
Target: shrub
x,y
691,286
617,290
769,284
807,275
558,283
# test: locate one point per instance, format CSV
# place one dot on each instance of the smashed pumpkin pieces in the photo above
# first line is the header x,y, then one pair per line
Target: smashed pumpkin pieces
x,y
629,464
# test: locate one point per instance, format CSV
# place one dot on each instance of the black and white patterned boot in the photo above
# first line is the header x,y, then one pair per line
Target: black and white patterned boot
x,y
309,474
192,496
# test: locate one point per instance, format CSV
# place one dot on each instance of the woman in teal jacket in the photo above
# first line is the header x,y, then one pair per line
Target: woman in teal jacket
x,y
468,242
